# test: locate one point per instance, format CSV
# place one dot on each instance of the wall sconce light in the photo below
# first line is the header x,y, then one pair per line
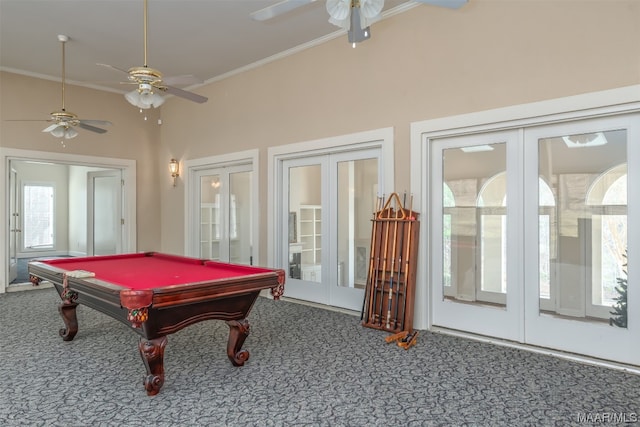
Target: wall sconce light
x,y
174,168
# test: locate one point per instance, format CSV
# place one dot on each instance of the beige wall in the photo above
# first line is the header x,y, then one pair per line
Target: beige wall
x,y
425,63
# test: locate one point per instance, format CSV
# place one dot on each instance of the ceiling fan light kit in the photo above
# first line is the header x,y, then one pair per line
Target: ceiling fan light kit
x,y
355,16
144,97
150,82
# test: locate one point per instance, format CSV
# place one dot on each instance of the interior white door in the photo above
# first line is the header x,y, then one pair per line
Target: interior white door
x,y
475,212
104,212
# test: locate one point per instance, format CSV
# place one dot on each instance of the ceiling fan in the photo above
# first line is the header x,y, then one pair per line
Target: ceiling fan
x,y
65,121
151,83
355,16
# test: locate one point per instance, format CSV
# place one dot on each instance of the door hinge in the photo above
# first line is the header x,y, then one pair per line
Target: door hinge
x,y
121,221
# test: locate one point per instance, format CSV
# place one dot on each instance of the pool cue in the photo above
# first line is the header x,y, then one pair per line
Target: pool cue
x,y
395,314
406,260
371,261
384,264
393,259
374,288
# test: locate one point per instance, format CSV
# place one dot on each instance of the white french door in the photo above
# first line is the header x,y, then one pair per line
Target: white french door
x,y
531,238
475,210
224,214
328,203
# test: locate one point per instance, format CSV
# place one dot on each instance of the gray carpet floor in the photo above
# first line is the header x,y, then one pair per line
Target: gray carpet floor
x,y
308,367
23,273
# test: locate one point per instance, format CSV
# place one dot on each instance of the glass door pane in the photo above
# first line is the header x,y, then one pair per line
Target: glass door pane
x,y
357,195
474,215
240,250
586,175
210,219
14,225
305,244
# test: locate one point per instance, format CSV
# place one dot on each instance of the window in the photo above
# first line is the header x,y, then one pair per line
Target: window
x,y
38,208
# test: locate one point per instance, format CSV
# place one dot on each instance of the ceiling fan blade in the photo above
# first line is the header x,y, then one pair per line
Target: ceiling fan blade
x,y
278,9
52,127
25,120
82,124
185,94
371,9
339,9
113,68
451,4
96,122
186,79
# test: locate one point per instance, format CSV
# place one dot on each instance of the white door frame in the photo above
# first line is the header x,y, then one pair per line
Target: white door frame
x,y
591,105
127,166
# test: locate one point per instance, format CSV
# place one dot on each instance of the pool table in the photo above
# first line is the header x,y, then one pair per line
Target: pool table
x,y
158,294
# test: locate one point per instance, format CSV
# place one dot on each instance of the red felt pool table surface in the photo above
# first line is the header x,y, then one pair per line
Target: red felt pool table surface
x,y
145,271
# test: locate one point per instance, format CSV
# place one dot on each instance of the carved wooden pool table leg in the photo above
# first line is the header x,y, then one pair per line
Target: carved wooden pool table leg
x,y
152,353
68,312
238,332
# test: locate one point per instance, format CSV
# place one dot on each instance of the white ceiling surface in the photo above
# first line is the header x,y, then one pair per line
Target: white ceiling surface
x,y
205,38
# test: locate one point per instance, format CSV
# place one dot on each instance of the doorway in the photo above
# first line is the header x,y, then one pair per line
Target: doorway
x,y
67,177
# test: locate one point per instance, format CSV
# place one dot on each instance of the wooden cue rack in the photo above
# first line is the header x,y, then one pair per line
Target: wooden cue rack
x,y
390,287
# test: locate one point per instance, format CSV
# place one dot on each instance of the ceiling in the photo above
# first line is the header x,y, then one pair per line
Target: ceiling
x,y
204,38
